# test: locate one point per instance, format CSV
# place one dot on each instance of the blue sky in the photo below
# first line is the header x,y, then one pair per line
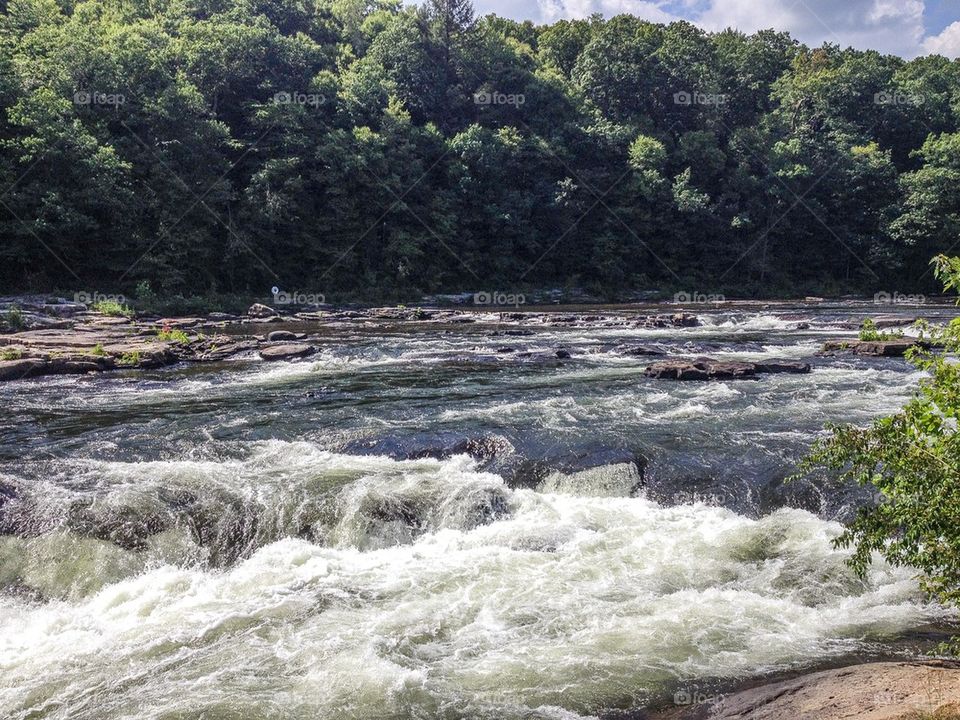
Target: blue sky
x,y
904,27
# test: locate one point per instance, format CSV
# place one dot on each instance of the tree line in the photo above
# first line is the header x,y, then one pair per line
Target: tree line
x,y
367,149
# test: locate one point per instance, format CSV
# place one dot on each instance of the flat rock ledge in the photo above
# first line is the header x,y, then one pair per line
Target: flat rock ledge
x,y
108,344
710,369
872,691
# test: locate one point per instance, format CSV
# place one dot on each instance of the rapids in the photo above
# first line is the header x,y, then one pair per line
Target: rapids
x,y
413,524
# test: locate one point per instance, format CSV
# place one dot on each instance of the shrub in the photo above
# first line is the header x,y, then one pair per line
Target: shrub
x,y
112,308
131,358
15,318
869,332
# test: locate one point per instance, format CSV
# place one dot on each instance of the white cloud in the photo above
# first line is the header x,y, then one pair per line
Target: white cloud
x,y
894,26
946,43
890,26
652,10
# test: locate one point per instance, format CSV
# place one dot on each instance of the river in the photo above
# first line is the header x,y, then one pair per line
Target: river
x,y
440,521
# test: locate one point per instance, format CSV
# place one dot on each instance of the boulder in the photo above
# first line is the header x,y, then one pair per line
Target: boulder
x,y
286,351
259,310
563,354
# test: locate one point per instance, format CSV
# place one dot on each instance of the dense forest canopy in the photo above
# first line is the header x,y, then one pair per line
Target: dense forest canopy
x,y
362,148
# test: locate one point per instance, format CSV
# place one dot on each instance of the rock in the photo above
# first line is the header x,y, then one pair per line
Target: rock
x,y
286,352
641,350
563,354
680,319
258,310
61,366
872,691
700,369
278,335
506,349
875,348
17,369
709,369
783,366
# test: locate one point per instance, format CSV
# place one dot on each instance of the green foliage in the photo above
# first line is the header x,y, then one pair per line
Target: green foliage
x,y
14,318
912,460
870,332
175,335
366,149
112,308
129,359
98,350
11,353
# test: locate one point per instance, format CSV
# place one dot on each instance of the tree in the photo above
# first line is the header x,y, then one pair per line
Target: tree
x,y
912,460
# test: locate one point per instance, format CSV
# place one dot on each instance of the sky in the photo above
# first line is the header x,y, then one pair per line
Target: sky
x,y
902,27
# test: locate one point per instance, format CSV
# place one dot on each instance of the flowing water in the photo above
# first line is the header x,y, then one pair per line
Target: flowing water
x,y
438,521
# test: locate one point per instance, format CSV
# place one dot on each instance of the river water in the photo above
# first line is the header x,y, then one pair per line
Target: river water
x,y
439,521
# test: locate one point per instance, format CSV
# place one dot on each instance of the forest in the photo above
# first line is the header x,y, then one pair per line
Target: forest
x,y
368,149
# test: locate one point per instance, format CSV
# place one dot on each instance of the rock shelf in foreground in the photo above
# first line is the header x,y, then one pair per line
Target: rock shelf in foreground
x,y
872,691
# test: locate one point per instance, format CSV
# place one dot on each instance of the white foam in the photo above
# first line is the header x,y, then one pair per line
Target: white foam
x,y
567,603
